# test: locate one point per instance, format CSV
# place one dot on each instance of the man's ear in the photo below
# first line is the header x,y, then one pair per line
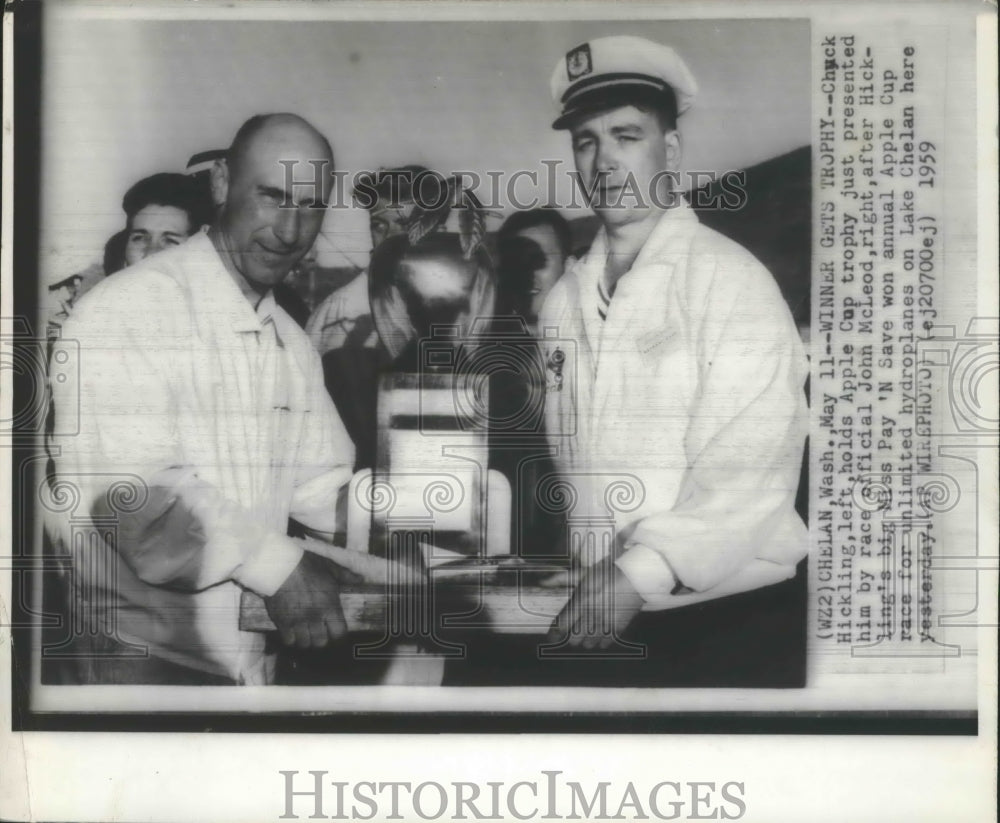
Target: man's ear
x,y
220,182
672,141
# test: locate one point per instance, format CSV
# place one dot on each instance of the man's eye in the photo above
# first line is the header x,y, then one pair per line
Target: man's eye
x,y
171,241
137,237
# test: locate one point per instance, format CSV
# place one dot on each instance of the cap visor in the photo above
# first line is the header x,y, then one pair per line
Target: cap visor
x,y
589,103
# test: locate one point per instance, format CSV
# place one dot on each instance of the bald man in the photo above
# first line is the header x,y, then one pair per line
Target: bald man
x,y
197,391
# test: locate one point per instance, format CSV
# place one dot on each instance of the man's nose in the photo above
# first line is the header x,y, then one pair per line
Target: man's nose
x,y
286,228
606,159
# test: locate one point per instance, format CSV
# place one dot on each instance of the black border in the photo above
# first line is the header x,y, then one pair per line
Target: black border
x,y
813,723
27,62
27,96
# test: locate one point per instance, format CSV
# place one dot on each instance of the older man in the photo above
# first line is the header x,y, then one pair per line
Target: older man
x,y
198,393
680,373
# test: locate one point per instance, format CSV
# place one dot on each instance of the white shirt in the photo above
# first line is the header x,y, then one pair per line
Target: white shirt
x,y
177,369
339,315
691,393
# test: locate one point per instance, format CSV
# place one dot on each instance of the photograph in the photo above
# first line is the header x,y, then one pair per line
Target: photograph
x,y
479,374
426,450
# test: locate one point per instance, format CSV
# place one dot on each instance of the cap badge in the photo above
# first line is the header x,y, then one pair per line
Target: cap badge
x,y
578,62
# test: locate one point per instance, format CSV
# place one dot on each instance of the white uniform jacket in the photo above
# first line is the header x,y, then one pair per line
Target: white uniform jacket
x,y
177,369
691,392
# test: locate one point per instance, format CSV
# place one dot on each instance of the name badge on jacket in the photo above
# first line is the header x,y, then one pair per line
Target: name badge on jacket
x,y
654,345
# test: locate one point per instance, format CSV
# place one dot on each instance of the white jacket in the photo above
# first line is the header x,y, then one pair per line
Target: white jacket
x,y
691,391
176,369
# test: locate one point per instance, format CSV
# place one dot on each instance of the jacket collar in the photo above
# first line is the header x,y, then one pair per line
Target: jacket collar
x,y
655,253
673,221
218,291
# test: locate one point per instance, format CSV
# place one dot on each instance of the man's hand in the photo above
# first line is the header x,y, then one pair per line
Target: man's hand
x,y
601,607
306,609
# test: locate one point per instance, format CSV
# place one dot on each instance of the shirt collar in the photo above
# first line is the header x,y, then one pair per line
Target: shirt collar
x,y
219,290
266,307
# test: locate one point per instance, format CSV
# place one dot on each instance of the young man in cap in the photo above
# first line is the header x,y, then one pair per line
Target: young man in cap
x,y
680,374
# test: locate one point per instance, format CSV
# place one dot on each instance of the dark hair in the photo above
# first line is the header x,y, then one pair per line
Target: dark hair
x,y
521,220
114,252
169,189
519,259
203,177
664,110
392,185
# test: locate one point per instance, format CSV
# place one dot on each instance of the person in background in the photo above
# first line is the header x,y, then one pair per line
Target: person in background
x,y
63,294
199,169
532,251
410,287
440,278
344,319
533,248
677,370
161,211
114,252
201,394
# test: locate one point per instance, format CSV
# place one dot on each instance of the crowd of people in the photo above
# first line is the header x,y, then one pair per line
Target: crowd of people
x,y
663,357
